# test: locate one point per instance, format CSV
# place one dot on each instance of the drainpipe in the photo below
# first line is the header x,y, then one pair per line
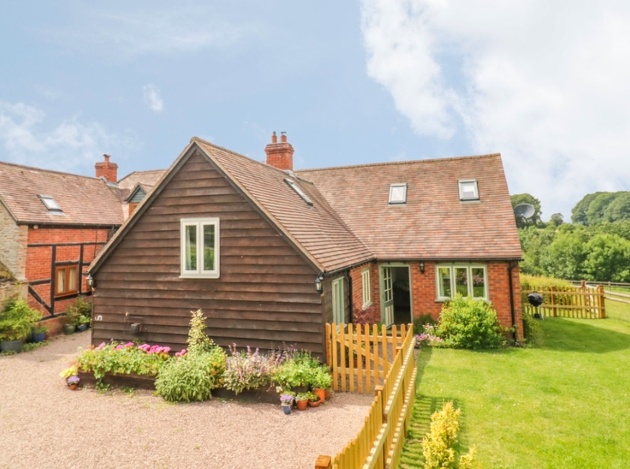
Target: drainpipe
x,y
349,279
511,266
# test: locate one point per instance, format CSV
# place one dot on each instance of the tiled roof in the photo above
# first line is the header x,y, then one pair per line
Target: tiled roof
x,y
83,200
146,179
434,223
315,229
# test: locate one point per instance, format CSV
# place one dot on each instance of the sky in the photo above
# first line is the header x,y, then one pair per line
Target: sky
x,y
546,84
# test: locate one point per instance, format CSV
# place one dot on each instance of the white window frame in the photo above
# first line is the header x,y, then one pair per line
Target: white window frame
x,y
398,193
338,307
469,268
468,183
199,271
365,286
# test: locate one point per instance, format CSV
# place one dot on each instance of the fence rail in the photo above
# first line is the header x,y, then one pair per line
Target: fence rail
x,y
380,440
583,302
616,296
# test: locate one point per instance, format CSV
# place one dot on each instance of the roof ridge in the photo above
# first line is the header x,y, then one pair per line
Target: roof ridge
x,y
405,162
47,170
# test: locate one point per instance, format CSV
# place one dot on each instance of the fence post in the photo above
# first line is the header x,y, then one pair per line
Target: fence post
x,y
323,462
553,301
602,301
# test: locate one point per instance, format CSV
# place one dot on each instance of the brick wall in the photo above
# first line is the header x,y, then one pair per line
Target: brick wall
x,y
423,293
12,245
39,264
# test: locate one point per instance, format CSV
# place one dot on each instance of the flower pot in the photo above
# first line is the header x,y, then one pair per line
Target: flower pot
x,y
82,327
321,393
315,403
69,329
11,345
72,387
286,409
39,337
302,404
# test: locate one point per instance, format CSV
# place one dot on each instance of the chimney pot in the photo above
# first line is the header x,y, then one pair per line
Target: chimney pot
x,y
283,137
274,138
107,169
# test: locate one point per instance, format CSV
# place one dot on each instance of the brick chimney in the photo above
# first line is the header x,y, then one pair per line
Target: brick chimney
x,y
106,169
280,155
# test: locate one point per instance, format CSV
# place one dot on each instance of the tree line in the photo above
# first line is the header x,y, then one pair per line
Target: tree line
x,y
595,246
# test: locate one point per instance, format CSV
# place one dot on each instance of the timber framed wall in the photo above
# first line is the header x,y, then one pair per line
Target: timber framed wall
x,y
265,296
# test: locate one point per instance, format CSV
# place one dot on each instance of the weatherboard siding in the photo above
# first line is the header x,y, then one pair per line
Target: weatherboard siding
x,y
265,296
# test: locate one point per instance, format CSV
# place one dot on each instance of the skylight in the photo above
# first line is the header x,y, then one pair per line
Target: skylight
x,y
50,203
468,189
299,191
398,193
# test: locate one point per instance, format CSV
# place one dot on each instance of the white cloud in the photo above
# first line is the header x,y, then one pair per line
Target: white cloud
x,y
71,145
152,98
544,83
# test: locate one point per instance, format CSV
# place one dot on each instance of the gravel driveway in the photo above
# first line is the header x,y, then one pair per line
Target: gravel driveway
x,y
45,425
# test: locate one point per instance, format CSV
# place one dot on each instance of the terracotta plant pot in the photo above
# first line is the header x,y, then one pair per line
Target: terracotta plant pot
x,y
72,387
315,403
321,393
302,404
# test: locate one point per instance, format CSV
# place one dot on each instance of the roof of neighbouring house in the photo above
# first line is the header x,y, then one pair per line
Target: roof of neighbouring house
x,y
81,200
433,223
146,179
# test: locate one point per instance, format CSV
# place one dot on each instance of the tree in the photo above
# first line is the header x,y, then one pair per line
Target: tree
x,y
578,214
619,208
600,207
534,220
607,258
565,256
557,219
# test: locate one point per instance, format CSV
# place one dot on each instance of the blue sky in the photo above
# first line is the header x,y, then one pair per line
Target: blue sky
x,y
351,82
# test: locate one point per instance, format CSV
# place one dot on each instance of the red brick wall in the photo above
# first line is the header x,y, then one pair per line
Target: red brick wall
x,y
39,258
423,293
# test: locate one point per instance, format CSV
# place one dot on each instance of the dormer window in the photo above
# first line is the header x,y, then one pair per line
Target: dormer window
x,y
50,203
299,191
398,193
468,189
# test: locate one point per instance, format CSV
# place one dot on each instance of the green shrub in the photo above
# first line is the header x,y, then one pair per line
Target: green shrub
x,y
532,330
191,377
17,320
197,340
250,370
438,446
470,324
533,282
420,321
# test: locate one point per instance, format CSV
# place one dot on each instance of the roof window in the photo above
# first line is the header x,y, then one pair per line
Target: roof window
x,y
468,189
50,203
299,191
398,193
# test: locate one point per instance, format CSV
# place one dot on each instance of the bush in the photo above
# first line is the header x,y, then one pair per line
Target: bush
x,y
191,377
114,357
250,370
438,447
421,321
197,340
470,324
17,320
532,330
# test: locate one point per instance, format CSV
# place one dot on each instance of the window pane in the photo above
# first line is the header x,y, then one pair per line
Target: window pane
x,y
444,278
478,282
461,280
365,277
191,247
72,279
61,280
208,247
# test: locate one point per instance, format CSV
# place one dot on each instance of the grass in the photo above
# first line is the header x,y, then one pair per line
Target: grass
x,y
617,310
561,405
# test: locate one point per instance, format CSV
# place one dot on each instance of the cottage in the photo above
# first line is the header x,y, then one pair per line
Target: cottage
x,y
52,224
270,254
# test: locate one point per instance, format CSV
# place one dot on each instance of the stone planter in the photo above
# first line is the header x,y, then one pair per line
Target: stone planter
x,y
69,329
11,345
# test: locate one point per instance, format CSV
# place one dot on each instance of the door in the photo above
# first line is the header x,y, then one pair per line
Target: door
x,y
337,301
387,296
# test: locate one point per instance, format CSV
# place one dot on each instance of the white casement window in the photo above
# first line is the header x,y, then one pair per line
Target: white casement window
x,y
200,248
365,284
337,301
468,189
468,280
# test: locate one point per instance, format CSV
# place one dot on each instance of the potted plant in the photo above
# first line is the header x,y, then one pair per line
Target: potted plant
x,y
39,333
321,381
72,382
16,322
301,399
314,400
286,401
83,323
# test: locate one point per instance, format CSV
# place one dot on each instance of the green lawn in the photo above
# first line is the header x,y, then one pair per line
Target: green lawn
x,y
565,404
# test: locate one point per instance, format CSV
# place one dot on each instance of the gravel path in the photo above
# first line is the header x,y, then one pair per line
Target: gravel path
x,y
45,425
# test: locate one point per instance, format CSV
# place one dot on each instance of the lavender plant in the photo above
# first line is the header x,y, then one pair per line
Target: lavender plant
x,y
250,370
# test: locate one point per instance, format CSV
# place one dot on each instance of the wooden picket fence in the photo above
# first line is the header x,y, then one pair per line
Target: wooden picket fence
x,y
582,302
379,442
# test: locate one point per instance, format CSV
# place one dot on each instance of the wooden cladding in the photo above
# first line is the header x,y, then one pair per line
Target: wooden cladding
x,y
265,296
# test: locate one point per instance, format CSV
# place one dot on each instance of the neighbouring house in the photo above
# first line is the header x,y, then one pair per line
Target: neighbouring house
x,y
52,224
270,255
